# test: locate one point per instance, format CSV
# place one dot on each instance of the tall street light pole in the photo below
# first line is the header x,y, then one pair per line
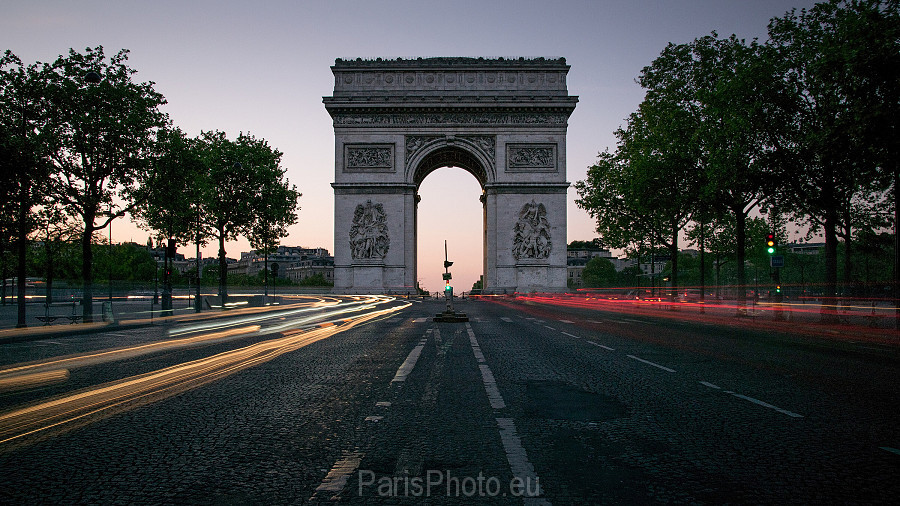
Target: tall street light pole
x,y
92,78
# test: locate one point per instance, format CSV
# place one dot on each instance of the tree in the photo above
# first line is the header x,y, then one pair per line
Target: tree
x,y
595,243
238,172
23,141
275,210
103,125
734,82
172,194
664,177
840,63
599,272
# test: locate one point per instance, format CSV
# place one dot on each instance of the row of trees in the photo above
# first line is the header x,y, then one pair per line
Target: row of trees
x,y
83,143
802,127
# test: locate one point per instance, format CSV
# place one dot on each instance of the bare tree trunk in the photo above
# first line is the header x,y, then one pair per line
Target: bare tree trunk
x,y
48,250
223,268
87,272
702,262
740,249
673,251
830,288
22,249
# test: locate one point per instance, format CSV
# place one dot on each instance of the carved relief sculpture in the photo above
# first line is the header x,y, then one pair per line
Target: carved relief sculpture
x,y
369,157
532,239
533,157
369,232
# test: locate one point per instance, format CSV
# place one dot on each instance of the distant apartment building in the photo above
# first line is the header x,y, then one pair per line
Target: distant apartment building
x,y
292,262
313,266
577,258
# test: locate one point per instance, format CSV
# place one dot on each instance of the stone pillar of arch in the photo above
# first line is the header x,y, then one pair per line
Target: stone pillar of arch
x,y
502,120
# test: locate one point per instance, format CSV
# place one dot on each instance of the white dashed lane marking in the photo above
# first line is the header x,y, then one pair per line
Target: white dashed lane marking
x,y
336,478
407,366
765,404
601,346
664,368
506,319
571,335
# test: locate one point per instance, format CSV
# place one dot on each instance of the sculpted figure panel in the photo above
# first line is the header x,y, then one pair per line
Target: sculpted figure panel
x,y
369,157
530,157
532,239
369,232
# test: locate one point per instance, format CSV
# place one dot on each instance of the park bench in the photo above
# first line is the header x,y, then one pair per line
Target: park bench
x,y
48,318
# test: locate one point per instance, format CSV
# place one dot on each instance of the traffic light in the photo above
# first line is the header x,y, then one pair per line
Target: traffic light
x,y
447,287
447,264
778,288
770,244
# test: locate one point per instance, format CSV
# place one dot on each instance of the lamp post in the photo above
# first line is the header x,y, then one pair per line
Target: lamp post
x,y
92,78
110,256
223,269
198,304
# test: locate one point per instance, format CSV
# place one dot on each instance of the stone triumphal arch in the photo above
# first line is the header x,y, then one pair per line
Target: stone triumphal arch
x,y
502,120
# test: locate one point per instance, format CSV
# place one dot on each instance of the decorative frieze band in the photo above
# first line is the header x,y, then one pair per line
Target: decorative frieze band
x,y
369,157
531,158
380,119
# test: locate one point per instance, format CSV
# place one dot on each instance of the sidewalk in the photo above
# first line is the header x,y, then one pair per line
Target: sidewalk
x,y
64,321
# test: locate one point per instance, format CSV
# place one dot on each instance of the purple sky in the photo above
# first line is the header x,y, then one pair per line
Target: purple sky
x,y
263,67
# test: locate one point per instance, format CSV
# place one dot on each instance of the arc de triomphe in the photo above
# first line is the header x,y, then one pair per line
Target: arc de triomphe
x,y
502,120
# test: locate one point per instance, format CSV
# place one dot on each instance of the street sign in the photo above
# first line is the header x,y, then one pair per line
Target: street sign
x,y
777,260
447,275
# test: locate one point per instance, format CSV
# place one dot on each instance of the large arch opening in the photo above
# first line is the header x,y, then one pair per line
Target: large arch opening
x,y
449,208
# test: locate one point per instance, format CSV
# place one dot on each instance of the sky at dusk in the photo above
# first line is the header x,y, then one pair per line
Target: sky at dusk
x,y
263,67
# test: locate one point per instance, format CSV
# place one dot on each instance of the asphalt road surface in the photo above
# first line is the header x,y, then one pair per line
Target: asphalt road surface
x,y
369,401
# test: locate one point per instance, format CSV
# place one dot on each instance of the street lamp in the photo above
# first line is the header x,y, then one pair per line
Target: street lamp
x,y
223,272
92,78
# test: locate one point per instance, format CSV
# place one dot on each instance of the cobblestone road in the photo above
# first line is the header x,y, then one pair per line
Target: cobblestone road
x,y
524,404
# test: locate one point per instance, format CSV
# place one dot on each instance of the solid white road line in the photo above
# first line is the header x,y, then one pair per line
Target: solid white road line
x,y
664,368
475,348
889,449
519,464
490,386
